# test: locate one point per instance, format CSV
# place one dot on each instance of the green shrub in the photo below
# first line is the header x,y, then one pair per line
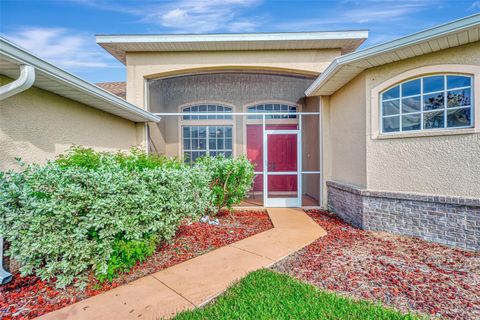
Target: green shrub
x,y
78,156
87,210
126,254
136,159
231,179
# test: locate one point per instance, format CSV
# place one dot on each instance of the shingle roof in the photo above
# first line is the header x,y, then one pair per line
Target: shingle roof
x,y
117,88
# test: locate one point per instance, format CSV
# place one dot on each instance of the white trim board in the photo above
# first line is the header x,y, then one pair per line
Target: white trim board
x,y
119,45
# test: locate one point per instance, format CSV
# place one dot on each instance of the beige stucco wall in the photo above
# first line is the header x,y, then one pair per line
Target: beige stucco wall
x,y
443,164
325,147
347,134
37,125
142,65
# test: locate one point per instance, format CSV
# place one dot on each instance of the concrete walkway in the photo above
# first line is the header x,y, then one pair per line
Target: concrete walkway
x,y
195,282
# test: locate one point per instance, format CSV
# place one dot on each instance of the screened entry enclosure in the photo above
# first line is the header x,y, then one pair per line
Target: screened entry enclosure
x,y
285,155
279,136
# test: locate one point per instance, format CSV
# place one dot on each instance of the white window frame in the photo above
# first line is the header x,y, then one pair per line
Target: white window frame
x,y
204,122
207,145
445,108
407,72
274,114
227,111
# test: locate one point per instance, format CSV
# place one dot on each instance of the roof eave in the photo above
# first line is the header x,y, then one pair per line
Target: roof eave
x,y
21,56
111,43
401,43
232,37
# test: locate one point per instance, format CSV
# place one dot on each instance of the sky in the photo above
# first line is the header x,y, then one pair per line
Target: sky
x,y
63,32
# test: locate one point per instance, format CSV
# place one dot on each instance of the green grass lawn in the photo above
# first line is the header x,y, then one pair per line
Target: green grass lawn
x,y
265,294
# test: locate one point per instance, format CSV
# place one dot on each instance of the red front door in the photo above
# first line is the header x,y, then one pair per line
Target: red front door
x,y
282,152
282,156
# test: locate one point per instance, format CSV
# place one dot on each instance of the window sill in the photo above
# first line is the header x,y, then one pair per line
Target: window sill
x,y
420,134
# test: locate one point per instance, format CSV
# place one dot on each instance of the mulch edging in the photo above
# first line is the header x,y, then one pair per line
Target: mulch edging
x,y
29,297
406,273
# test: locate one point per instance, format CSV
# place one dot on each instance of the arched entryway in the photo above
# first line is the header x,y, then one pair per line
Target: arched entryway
x,y
238,113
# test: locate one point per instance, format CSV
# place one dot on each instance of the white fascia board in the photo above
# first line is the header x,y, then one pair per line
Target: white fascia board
x,y
321,79
410,40
21,56
246,37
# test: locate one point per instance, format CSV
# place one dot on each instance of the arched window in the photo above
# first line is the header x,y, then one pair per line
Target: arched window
x,y
271,109
207,108
437,101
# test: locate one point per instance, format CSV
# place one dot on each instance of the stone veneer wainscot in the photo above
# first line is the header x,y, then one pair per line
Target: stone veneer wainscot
x,y
453,221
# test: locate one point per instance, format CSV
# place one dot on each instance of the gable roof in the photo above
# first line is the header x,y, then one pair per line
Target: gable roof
x,y
117,88
345,68
119,45
51,78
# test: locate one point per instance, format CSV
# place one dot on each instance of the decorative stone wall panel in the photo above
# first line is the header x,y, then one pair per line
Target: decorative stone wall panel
x,y
453,221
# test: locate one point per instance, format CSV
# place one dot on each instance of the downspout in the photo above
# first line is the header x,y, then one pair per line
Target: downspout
x,y
147,138
24,81
146,107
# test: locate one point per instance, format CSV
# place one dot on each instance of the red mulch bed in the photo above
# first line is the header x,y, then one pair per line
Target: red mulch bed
x,y
30,297
406,273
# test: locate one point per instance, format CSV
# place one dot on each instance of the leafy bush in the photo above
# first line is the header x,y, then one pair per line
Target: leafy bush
x,y
136,159
102,212
78,156
96,211
231,179
126,253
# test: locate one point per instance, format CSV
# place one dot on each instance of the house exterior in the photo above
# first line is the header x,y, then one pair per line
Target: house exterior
x,y
214,91
387,137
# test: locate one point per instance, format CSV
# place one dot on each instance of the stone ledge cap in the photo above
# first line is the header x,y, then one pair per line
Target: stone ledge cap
x,y
455,200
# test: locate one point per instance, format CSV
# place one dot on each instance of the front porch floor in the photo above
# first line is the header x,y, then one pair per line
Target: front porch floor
x,y
195,282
